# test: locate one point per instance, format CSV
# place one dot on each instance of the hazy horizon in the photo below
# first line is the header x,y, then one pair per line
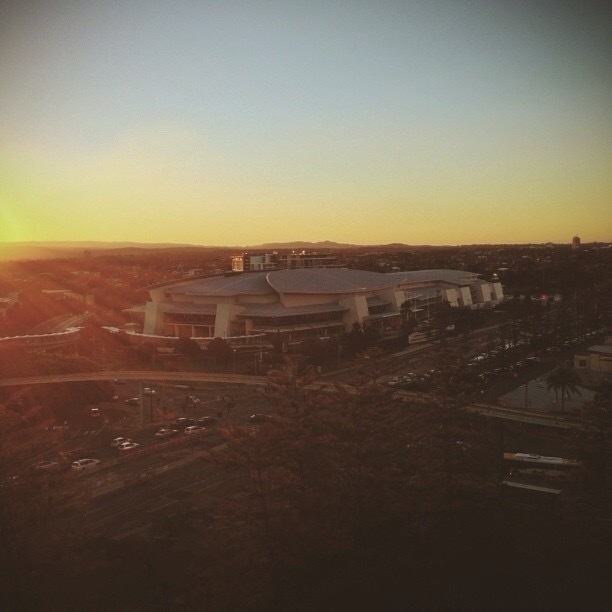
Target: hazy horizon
x,y
238,123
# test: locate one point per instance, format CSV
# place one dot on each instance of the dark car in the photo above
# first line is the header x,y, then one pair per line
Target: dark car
x,y
164,432
47,466
85,465
207,421
182,422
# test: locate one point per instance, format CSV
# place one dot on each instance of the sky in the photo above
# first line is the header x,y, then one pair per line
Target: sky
x,y
364,121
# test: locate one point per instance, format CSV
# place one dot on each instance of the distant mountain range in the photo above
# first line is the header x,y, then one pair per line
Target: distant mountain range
x,y
19,251
325,244
16,251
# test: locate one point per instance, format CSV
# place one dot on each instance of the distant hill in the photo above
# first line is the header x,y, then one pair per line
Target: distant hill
x,y
325,245
19,251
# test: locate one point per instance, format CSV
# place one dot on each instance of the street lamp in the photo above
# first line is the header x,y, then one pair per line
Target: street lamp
x,y
234,361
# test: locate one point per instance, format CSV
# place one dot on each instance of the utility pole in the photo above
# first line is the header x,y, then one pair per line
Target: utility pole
x,y
499,426
141,404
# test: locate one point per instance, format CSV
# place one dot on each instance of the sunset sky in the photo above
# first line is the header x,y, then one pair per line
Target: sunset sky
x,y
359,121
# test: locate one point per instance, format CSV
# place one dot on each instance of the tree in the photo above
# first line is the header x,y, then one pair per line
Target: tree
x,y
220,350
342,479
190,348
319,352
355,339
405,311
566,381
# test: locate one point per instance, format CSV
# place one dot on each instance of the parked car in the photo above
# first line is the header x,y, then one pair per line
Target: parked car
x,y
165,432
134,401
83,465
149,391
94,412
194,429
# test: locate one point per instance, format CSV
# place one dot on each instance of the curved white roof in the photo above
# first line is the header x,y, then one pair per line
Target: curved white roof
x,y
251,283
328,280
313,281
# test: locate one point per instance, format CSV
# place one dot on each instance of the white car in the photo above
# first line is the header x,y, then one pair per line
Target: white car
x,y
149,391
128,446
81,465
117,442
194,429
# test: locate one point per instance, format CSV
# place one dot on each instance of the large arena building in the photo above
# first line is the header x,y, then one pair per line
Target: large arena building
x,y
245,308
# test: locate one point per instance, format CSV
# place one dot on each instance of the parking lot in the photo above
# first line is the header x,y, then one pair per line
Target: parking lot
x,y
534,395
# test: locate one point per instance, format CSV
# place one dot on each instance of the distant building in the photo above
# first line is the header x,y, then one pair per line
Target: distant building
x,y
69,294
576,243
252,262
194,272
596,359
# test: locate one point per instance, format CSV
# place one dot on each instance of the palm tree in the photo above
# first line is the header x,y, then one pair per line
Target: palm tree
x,y
566,380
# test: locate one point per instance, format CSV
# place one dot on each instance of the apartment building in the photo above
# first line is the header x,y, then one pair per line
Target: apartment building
x,y
252,262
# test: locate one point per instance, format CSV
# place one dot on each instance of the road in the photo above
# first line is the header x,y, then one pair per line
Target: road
x,y
510,414
119,499
128,497
145,375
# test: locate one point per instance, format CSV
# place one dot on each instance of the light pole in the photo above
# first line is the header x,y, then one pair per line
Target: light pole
x,y
233,361
141,404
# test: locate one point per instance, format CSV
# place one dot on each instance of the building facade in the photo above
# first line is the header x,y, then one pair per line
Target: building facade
x,y
320,302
